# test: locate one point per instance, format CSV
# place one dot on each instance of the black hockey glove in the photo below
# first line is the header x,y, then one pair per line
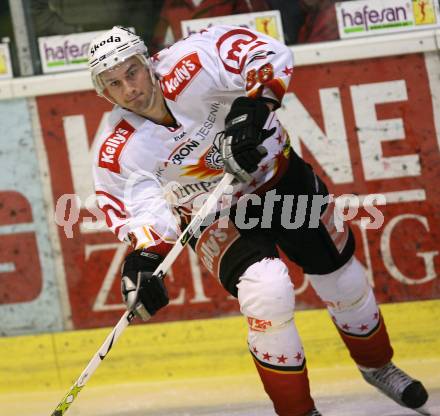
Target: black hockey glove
x,y
142,292
241,148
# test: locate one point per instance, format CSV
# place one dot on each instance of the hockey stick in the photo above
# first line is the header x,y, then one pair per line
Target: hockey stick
x,y
128,316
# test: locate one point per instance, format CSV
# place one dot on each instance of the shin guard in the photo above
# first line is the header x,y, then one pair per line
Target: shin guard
x,y
266,297
353,308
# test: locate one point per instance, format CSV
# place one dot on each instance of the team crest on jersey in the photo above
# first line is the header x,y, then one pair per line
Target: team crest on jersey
x,y
180,76
209,165
231,46
111,149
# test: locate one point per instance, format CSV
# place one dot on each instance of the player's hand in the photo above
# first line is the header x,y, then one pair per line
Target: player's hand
x,y
143,292
241,148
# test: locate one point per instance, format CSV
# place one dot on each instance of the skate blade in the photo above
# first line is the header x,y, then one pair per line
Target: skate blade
x,y
423,411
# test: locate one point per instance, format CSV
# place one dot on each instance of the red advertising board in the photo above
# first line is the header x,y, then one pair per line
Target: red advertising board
x,y
385,113
403,255
22,283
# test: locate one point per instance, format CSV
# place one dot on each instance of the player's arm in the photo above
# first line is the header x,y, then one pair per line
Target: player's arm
x,y
254,63
260,67
137,212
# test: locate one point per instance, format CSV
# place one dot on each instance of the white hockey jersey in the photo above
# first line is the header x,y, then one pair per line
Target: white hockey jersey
x,y
138,164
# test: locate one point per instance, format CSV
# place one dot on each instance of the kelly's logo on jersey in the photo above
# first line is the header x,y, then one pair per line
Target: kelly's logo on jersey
x,y
112,147
180,76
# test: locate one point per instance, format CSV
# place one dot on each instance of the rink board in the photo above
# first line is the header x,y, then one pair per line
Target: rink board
x,y
213,348
365,114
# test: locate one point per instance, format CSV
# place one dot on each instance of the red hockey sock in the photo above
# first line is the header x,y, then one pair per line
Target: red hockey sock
x,y
288,388
371,350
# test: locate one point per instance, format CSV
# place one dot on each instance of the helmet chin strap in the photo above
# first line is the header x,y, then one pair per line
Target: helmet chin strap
x,y
153,90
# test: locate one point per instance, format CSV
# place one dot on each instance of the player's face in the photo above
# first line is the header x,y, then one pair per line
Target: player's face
x,y
129,85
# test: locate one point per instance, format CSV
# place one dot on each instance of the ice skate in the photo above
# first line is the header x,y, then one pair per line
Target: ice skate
x,y
398,386
314,412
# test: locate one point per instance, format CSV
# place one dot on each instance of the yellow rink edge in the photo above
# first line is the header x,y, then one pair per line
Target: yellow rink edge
x,y
170,352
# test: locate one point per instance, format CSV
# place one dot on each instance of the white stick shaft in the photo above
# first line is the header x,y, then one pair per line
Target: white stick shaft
x,y
105,348
128,316
62,407
194,225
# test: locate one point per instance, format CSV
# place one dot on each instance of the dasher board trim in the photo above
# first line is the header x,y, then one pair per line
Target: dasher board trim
x,y
311,54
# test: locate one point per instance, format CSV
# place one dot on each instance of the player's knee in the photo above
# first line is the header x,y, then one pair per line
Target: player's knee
x,y
344,289
241,255
265,292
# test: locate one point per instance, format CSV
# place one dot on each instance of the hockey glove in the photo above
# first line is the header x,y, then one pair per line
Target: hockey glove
x,y
241,148
143,292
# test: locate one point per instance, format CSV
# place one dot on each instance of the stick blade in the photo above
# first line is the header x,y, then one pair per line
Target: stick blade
x,y
67,400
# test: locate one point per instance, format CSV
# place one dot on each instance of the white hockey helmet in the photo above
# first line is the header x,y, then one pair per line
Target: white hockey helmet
x,y
111,49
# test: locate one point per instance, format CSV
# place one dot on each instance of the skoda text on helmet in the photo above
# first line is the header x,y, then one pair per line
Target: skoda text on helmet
x,y
113,48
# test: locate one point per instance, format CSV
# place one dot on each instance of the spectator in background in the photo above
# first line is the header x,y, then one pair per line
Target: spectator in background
x,y
60,17
320,22
307,21
168,28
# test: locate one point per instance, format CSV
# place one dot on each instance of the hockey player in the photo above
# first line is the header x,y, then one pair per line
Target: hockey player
x,y
163,133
